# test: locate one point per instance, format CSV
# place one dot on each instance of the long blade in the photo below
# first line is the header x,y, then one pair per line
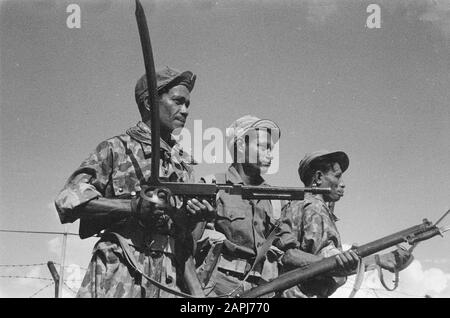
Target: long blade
x,y
151,84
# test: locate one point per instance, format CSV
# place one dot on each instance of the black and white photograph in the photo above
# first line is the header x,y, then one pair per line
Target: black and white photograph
x,y
225,149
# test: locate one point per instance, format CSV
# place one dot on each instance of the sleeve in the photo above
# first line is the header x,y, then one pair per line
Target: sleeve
x,y
88,182
286,236
318,240
316,237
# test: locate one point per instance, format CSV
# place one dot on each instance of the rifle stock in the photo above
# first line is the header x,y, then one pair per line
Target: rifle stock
x,y
292,278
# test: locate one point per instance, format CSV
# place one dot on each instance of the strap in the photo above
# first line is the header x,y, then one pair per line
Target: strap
x,y
205,270
380,274
134,161
137,267
266,245
359,278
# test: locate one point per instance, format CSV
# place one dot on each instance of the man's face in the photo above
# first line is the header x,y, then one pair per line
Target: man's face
x,y
173,109
332,179
259,155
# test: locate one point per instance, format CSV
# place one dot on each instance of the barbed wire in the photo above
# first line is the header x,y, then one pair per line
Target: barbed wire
x,y
41,289
37,232
22,265
73,280
81,267
70,288
29,277
40,264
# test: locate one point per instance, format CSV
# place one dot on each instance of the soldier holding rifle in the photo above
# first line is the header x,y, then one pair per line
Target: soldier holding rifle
x,y
313,222
241,226
103,194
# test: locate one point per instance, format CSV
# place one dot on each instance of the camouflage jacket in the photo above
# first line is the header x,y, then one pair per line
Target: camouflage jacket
x,y
116,169
313,224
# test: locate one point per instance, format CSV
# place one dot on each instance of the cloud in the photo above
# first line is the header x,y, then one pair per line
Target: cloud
x,y
415,281
77,252
51,207
37,271
54,245
439,261
27,283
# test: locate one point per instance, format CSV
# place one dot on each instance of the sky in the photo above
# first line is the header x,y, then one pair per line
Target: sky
x,y
314,67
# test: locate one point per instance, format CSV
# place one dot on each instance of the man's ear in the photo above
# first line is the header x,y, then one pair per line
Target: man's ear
x,y
240,145
318,176
146,103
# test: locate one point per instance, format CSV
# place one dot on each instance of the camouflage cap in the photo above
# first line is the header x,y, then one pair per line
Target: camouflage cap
x,y
165,78
337,156
243,125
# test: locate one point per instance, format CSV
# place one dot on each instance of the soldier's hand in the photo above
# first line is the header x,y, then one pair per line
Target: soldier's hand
x,y
200,209
151,213
347,261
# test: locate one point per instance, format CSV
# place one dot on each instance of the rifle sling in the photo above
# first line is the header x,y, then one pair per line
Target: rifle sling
x,y
134,161
380,274
131,260
266,245
359,278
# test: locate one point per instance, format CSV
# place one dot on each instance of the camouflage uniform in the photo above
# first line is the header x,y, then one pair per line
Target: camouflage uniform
x,y
115,170
245,224
314,226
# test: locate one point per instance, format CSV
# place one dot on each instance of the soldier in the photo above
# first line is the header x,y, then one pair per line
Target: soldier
x,y
241,226
313,222
103,194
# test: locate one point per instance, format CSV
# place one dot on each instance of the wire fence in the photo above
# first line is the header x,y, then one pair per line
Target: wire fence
x,y
10,267
40,290
73,291
377,292
41,264
22,265
28,277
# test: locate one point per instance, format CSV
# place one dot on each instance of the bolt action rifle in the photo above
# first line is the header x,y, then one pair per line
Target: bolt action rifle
x,y
412,236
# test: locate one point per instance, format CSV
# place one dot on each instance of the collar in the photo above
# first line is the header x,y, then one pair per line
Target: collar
x,y
232,175
310,198
143,134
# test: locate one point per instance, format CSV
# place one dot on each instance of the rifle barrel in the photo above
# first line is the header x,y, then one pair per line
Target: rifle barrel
x,y
246,192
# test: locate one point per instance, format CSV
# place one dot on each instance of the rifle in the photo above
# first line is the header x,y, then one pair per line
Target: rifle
x,y
412,236
160,193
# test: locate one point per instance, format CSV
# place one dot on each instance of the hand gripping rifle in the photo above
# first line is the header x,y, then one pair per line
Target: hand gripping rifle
x,y
412,236
160,193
